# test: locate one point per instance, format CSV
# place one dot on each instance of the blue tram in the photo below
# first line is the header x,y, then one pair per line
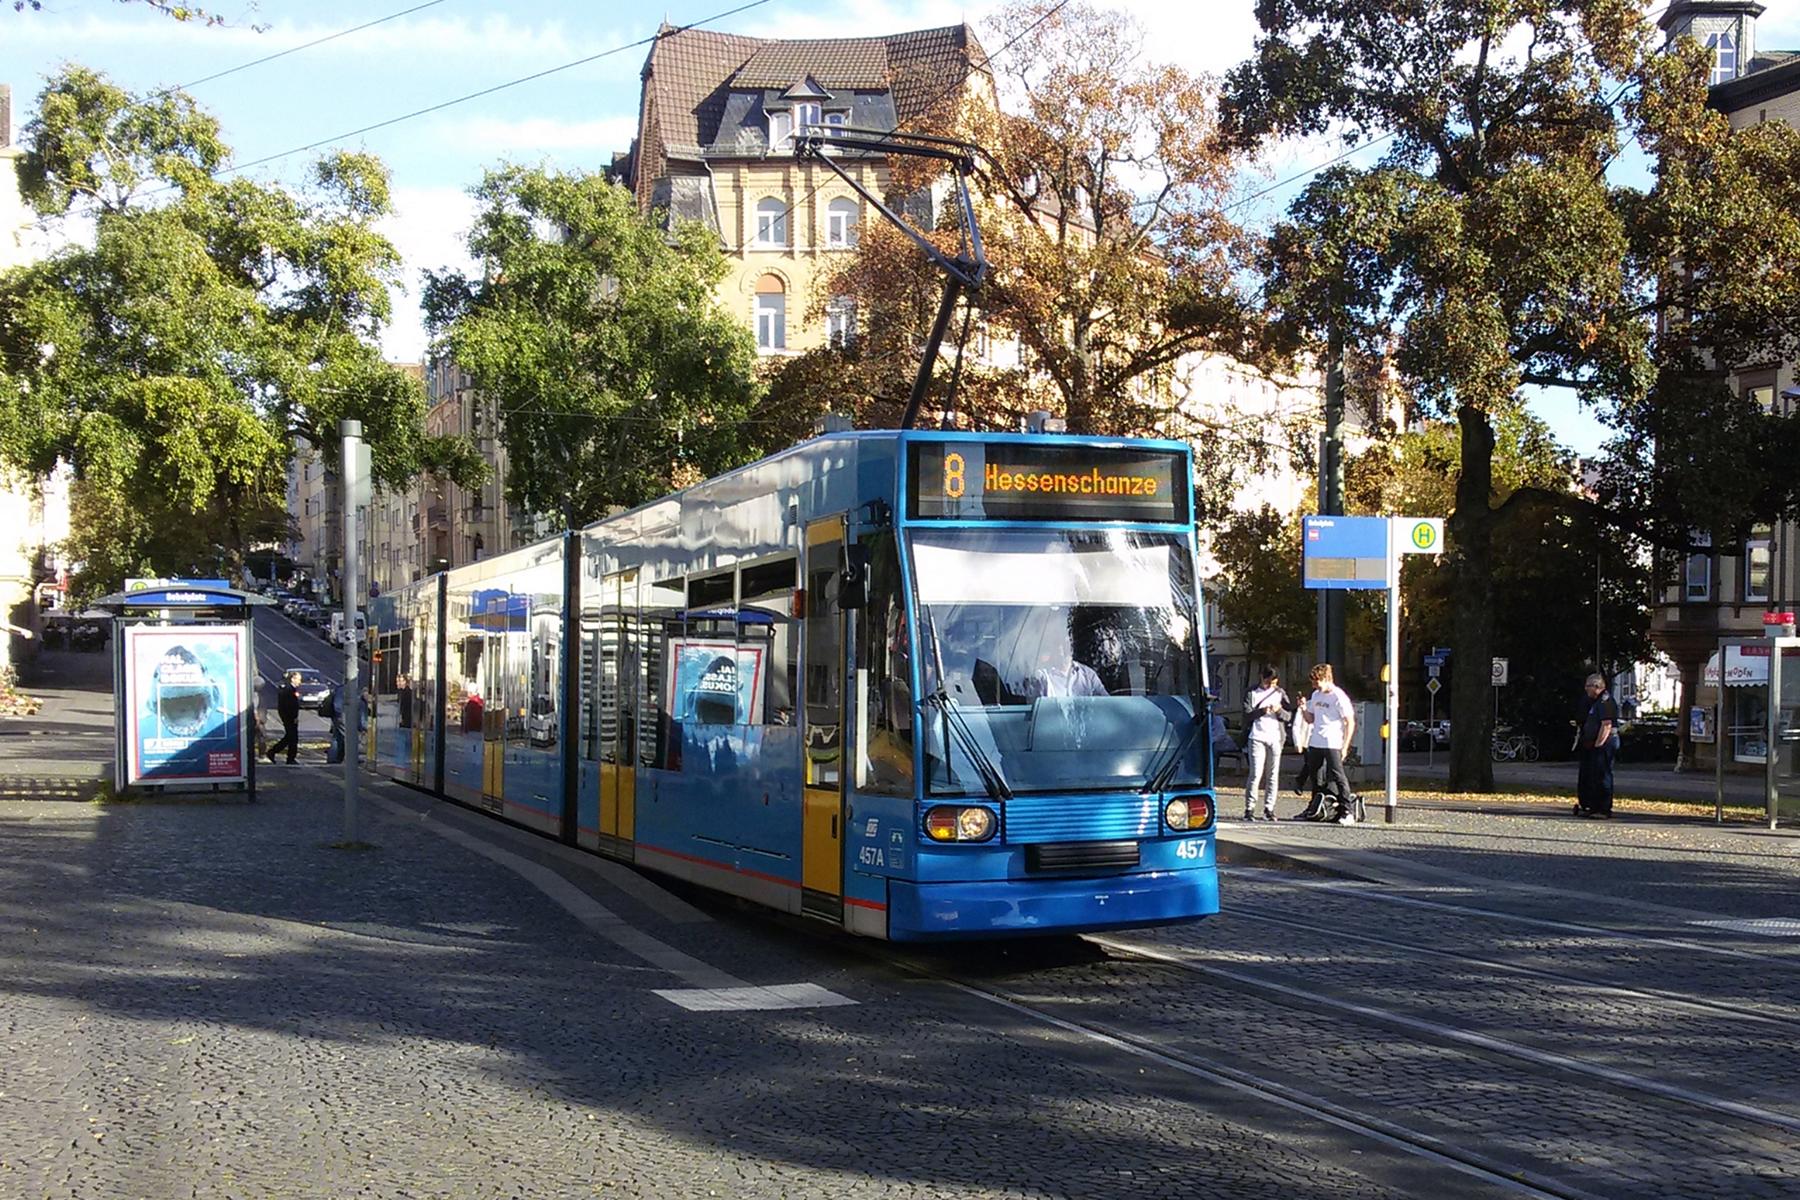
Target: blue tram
x,y
916,684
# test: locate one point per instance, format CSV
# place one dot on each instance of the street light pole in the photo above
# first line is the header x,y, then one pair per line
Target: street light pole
x,y
348,707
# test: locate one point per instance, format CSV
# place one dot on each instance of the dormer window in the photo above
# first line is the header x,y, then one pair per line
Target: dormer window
x,y
807,115
781,131
1725,57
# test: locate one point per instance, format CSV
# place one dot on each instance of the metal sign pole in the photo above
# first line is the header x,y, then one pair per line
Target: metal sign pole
x,y
348,707
1393,676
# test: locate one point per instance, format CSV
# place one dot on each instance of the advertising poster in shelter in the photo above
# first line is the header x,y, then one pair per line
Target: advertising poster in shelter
x,y
186,696
716,682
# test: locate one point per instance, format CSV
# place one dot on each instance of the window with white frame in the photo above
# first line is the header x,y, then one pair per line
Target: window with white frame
x,y
1697,572
771,314
841,217
1725,57
781,131
840,322
806,115
1759,564
771,222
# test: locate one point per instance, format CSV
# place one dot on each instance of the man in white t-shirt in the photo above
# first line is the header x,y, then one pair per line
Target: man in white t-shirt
x,y
1331,723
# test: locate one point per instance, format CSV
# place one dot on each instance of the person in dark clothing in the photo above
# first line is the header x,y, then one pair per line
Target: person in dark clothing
x,y
403,700
287,707
1596,744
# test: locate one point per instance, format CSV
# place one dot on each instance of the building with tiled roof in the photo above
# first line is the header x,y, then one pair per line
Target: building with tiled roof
x,y
716,118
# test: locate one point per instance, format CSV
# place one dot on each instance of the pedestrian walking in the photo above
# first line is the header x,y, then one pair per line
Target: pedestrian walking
x,y
332,709
287,707
1596,744
1266,709
1331,724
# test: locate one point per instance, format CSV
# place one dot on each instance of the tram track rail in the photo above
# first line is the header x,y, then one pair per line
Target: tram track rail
x,y
1742,1010
1463,1038
1396,1136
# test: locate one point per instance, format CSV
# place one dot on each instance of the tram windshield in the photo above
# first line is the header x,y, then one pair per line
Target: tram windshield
x,y
1057,660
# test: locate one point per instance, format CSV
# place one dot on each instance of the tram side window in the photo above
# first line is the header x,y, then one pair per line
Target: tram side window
x,y
884,762
661,599
769,587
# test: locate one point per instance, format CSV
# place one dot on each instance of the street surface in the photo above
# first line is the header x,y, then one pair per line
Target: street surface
x,y
207,1000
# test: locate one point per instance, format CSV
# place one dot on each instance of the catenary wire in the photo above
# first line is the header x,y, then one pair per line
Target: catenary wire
x,y
318,41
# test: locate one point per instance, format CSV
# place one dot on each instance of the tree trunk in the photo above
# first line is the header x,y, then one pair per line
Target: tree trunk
x,y
1471,549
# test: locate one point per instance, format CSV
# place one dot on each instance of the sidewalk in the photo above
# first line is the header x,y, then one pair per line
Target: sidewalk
x,y
65,751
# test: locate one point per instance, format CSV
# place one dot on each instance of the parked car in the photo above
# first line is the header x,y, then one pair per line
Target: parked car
x,y
1440,734
1414,736
313,687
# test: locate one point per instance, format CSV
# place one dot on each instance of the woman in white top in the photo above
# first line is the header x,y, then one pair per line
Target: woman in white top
x,y
1331,723
1268,729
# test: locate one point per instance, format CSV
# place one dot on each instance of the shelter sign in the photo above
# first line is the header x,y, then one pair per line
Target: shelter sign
x,y
187,698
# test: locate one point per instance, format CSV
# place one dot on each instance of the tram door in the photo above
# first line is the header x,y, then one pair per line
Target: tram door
x,y
618,633
822,793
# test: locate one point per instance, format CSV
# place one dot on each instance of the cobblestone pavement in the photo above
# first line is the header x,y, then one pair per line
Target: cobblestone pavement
x,y
206,1000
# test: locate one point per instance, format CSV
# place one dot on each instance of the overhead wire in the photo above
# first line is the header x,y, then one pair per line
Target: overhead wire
x,y
318,41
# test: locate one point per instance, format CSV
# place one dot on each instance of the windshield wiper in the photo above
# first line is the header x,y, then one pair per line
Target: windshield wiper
x,y
991,779
1160,778
955,723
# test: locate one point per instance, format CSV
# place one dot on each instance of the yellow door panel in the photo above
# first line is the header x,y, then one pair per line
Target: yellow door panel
x,y
822,858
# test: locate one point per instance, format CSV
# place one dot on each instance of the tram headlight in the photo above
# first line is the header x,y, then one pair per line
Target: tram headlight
x,y
971,824
1185,813
974,825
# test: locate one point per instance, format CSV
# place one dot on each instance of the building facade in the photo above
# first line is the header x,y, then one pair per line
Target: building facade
x,y
715,143
1725,592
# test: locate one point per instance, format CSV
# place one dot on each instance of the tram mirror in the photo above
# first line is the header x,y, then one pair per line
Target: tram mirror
x,y
853,579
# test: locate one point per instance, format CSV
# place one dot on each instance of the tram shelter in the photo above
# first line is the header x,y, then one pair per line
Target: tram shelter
x,y
1758,720
184,685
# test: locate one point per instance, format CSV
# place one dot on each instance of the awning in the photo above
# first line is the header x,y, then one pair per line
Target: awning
x,y
1745,666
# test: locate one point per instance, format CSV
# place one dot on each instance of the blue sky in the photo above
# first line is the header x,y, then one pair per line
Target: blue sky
x,y
573,119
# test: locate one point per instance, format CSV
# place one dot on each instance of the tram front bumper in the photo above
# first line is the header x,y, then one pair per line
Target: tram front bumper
x,y
1013,907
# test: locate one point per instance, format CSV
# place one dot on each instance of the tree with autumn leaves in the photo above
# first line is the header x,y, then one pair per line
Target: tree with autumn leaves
x,y
1102,198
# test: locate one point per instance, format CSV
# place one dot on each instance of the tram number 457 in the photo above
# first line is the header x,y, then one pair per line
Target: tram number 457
x,y
1193,849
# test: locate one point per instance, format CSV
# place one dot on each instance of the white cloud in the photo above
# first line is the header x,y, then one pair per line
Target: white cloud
x,y
430,228
524,138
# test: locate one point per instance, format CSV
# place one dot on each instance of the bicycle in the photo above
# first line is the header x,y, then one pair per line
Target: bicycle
x,y
1519,746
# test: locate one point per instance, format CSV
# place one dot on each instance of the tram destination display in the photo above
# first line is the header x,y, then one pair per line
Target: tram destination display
x,y
1028,481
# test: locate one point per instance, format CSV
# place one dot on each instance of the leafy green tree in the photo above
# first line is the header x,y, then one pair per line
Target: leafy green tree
x,y
1488,248
211,325
1557,561
1260,594
616,373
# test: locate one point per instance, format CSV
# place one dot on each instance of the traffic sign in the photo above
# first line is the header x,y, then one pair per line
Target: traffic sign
x,y
1345,553
1419,535
1441,651
1500,666
1432,685
1433,669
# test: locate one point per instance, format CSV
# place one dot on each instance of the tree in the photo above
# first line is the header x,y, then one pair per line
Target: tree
x,y
211,324
1260,593
1101,200
1489,249
596,333
1558,562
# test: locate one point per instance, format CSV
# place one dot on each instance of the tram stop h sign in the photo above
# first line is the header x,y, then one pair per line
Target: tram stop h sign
x,y
1363,553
